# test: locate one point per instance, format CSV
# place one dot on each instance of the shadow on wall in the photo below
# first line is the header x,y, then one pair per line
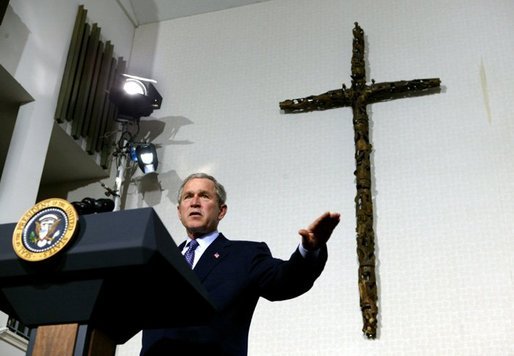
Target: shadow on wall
x,y
151,187
162,132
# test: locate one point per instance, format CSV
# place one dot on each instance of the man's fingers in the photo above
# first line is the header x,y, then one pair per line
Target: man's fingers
x,y
323,224
320,230
305,233
326,222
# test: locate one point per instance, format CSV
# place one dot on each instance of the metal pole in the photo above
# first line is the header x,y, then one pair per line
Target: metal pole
x,y
120,178
122,164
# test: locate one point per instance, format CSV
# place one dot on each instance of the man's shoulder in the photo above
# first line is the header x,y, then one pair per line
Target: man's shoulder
x,y
243,244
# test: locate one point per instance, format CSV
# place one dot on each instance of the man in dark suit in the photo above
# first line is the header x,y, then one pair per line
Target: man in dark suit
x,y
234,273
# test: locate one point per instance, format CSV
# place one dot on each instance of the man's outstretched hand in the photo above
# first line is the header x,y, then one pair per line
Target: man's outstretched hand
x,y
318,233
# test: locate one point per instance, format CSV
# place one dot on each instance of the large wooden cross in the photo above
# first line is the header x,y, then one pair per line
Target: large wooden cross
x,y
358,96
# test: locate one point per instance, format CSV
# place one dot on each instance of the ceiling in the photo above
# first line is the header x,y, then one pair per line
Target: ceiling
x,y
143,12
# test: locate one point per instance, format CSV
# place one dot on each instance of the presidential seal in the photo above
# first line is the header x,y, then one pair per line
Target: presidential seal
x,y
45,229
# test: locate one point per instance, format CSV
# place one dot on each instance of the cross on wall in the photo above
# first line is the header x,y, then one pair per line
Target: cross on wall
x,y
358,96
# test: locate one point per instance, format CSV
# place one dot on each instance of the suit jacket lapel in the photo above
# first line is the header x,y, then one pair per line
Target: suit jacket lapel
x,y
214,254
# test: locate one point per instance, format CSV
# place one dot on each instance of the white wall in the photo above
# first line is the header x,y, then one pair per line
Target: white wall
x,y
443,165
40,55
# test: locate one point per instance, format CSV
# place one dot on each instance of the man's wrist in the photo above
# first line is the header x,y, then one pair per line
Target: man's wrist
x,y
307,253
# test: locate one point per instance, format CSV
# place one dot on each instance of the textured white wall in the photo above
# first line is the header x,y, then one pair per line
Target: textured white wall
x,y
443,164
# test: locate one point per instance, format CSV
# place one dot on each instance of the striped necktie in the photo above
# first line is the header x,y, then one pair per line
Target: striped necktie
x,y
190,253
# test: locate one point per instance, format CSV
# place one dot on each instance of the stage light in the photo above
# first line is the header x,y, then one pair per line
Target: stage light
x,y
135,97
134,86
146,155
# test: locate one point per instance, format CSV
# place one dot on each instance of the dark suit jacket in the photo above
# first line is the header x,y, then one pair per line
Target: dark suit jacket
x,y
235,274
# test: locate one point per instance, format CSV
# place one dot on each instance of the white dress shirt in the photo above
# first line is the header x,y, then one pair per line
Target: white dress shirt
x,y
203,242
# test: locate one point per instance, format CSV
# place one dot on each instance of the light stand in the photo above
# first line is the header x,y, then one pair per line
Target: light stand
x,y
118,181
134,97
128,152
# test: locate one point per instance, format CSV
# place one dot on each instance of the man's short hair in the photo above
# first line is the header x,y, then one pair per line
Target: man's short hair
x,y
220,190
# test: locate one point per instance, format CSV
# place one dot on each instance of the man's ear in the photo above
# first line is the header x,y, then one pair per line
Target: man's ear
x,y
223,211
178,212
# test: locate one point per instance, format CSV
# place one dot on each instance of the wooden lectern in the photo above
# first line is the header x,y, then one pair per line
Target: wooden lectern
x,y
121,273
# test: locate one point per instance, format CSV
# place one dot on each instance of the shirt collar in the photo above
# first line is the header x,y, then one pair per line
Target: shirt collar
x,y
205,240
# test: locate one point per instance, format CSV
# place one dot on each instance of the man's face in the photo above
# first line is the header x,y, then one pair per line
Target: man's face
x,y
199,210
